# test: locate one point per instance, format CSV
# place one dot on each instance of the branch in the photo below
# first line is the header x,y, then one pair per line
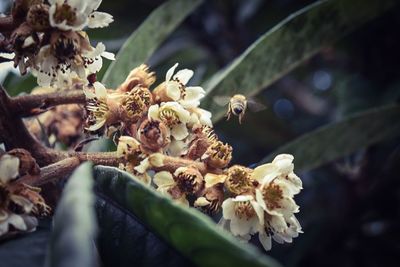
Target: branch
x,y
63,168
28,105
7,24
15,135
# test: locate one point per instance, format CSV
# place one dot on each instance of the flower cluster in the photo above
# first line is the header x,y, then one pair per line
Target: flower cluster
x,y
50,40
167,141
19,203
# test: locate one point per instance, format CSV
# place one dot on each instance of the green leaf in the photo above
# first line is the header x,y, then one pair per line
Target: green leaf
x,y
147,38
28,249
190,232
342,138
288,44
75,226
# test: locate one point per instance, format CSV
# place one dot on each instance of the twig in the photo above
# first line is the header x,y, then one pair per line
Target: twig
x,y
28,105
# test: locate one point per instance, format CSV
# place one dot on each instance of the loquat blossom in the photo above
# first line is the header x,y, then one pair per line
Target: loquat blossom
x,y
174,116
77,14
175,88
18,201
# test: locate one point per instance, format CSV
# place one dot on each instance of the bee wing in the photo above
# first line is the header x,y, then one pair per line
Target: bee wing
x,y
221,100
255,105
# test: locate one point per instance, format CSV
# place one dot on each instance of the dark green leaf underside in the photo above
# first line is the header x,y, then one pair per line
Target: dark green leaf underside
x,y
147,38
288,44
190,232
342,138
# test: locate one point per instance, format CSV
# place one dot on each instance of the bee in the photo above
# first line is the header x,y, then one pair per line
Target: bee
x,y
237,105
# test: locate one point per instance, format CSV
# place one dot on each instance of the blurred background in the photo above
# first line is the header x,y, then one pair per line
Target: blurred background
x,y
350,208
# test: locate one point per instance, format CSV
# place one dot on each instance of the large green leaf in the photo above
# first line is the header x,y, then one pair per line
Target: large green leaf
x,y
190,232
288,44
146,39
28,249
342,138
75,225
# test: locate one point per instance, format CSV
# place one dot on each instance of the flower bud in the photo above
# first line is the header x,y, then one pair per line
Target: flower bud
x,y
27,164
139,76
239,180
189,180
153,135
38,17
218,155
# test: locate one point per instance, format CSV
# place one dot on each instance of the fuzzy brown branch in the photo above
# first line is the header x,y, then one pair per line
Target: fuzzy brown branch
x,y
28,105
15,135
170,164
63,168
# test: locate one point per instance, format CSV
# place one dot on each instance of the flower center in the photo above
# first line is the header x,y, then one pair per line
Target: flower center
x,y
238,180
97,111
272,195
169,116
244,210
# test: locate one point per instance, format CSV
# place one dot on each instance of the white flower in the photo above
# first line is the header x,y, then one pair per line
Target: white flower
x,y
176,148
278,185
176,89
242,215
77,14
174,116
49,69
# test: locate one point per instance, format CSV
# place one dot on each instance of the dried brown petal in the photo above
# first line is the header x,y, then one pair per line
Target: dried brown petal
x,y
153,135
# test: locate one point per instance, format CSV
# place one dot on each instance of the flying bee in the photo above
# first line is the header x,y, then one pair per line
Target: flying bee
x,y
237,105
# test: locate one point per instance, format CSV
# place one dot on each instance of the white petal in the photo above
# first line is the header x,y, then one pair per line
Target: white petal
x,y
194,93
9,168
242,198
260,199
173,90
100,90
284,163
99,20
213,179
153,112
3,227
241,227
17,222
259,211
170,72
201,202
184,75
265,241
228,209
163,179
108,55
96,126
143,166
176,148
266,170
179,131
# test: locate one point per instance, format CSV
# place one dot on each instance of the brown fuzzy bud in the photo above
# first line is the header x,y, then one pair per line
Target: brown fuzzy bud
x,y
204,136
139,76
210,200
238,180
218,155
27,164
38,17
153,135
189,180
